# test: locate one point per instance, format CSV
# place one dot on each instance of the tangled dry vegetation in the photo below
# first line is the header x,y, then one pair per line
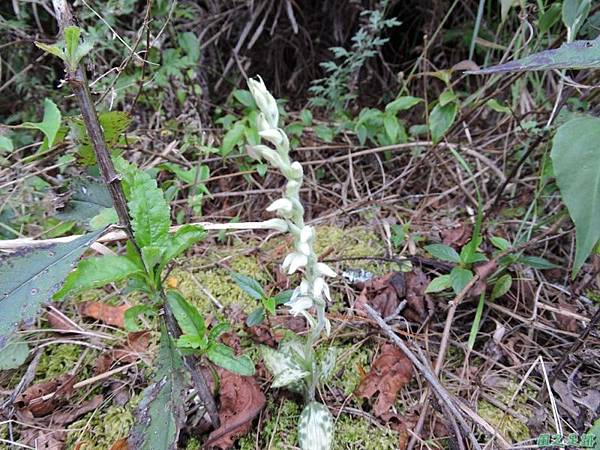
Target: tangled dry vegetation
x,y
380,193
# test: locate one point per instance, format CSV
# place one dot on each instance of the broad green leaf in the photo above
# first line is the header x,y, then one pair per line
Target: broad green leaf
x,y
328,362
495,105
132,321
50,122
502,286
459,278
439,284
224,357
283,297
113,123
190,44
249,285
97,272
14,354
443,252
152,256
150,215
402,104
574,13
324,133
441,119
570,55
6,144
192,341
576,160
256,317
189,319
29,277
392,127
232,138
161,413
87,199
549,18
306,117
106,217
315,427
447,96
270,303
180,241
218,330
72,35
537,262
500,243
244,97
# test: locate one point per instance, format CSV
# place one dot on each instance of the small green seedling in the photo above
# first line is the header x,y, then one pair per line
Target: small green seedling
x,y
71,50
267,303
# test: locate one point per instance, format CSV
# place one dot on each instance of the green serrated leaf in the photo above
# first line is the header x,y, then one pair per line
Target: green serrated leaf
x,y
576,160
50,122
29,277
113,123
441,119
439,284
150,213
189,319
248,285
161,414
459,278
224,357
97,272
315,427
443,252
180,241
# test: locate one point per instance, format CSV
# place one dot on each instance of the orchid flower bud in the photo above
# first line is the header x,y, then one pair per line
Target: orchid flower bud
x,y
274,135
276,224
294,261
324,269
264,100
261,123
282,206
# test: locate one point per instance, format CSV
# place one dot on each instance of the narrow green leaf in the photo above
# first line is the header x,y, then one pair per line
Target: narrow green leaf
x,y
52,49
443,252
50,122
441,119
284,297
97,272
161,413
392,127
248,285
218,330
29,277
189,319
402,104
500,243
550,17
180,241
574,13
537,262
72,35
224,357
576,160
459,278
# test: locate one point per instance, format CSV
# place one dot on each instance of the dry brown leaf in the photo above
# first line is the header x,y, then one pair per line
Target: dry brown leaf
x,y
110,315
31,401
390,372
564,321
58,321
137,343
241,400
457,235
383,294
66,417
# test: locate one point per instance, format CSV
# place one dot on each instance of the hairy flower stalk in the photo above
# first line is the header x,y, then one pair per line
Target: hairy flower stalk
x,y
313,291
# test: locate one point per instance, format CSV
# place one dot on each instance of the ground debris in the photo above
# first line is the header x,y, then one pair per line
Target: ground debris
x,y
110,315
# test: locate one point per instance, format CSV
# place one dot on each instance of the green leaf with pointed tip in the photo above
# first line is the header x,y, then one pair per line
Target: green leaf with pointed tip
x,y
233,137
574,13
441,119
574,55
256,317
189,319
50,122
52,49
439,284
443,252
180,241
549,18
224,357
29,277
502,286
150,213
161,414
97,272
249,285
72,35
402,104
576,161
459,278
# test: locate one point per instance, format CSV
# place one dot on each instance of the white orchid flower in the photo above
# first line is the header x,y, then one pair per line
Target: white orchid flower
x,y
276,224
264,100
307,234
300,305
324,269
274,135
282,206
321,289
261,123
294,261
